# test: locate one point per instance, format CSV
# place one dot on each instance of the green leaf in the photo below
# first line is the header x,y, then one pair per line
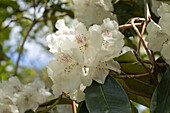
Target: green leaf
x,y
136,98
144,85
133,68
30,111
126,57
126,9
129,64
161,96
107,98
82,108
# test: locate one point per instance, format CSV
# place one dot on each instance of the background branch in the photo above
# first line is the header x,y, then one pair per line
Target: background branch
x,y
22,46
137,93
14,21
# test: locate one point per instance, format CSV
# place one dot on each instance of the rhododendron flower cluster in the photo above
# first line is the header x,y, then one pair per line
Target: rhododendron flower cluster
x,y
83,55
18,98
159,35
156,4
93,11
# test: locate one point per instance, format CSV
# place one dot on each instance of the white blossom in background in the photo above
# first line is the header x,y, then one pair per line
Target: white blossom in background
x,y
166,52
158,35
65,1
83,55
93,11
164,13
155,35
18,98
126,49
6,108
156,4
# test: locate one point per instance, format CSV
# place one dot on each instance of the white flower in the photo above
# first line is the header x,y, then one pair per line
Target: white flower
x,y
77,95
33,95
165,52
65,1
164,13
6,98
155,35
159,35
6,108
20,98
12,86
93,11
63,72
126,49
112,39
64,34
156,4
100,72
83,55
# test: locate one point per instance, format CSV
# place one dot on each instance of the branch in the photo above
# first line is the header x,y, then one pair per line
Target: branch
x,y
74,107
50,18
137,93
132,76
14,21
147,12
139,59
125,26
22,46
54,104
137,31
140,41
34,5
146,49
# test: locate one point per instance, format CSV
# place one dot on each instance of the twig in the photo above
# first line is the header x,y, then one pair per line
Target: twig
x,y
55,103
154,62
147,12
22,46
74,107
137,93
125,26
146,49
50,18
14,21
137,31
34,5
143,30
132,76
146,61
139,59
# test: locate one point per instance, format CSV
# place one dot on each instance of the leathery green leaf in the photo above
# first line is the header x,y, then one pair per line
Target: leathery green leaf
x,y
161,97
107,98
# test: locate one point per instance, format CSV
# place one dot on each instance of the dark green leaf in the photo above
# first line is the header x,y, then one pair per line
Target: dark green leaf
x,y
82,108
107,98
126,9
130,65
30,111
136,98
161,96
